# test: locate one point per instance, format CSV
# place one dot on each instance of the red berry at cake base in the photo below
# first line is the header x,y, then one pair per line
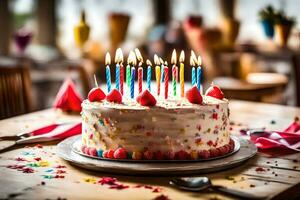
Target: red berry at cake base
x,y
120,153
214,91
193,95
96,94
114,96
146,99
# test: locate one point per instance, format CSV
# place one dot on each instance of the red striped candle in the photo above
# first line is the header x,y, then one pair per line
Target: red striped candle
x,y
140,79
166,73
121,77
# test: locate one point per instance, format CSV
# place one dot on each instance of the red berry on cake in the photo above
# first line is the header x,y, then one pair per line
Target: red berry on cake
x,y
204,154
114,96
193,95
146,99
170,155
92,151
182,155
159,155
120,153
108,154
96,94
148,155
214,91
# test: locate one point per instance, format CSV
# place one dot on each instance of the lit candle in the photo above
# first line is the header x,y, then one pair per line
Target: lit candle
x,y
199,72
129,62
119,61
140,77
192,63
174,73
118,76
181,73
166,72
132,82
107,63
161,69
157,73
149,73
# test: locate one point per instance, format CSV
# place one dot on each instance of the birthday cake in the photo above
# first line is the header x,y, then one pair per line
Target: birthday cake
x,y
150,127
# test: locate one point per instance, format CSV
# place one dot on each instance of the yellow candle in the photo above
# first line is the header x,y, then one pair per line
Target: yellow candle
x,y
181,73
157,72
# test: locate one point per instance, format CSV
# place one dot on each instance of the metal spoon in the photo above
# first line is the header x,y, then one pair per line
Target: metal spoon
x,y
197,184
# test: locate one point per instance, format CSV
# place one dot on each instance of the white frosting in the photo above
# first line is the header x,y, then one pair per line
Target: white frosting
x,y
171,125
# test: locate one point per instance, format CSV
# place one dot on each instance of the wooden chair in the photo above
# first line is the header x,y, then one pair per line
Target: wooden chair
x,y
15,91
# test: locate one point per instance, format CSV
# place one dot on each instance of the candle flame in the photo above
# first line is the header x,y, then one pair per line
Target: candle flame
x,y
181,56
107,59
199,62
140,64
193,55
156,60
148,62
131,58
161,61
192,61
138,54
174,57
166,63
119,56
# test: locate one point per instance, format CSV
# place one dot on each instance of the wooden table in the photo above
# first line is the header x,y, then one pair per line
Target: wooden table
x,y
279,179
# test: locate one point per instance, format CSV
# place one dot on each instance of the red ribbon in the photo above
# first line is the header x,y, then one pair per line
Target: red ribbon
x,y
276,142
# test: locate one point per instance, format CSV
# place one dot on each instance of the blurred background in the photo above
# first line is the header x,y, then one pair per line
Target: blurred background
x,y
250,48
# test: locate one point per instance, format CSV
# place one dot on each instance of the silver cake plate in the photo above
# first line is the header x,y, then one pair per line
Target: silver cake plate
x,y
246,150
76,147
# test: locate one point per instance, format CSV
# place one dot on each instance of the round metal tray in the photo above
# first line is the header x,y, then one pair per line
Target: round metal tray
x,y
244,150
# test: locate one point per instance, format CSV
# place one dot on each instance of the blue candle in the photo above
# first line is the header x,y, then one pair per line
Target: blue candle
x,y
108,81
132,82
199,77
193,76
149,78
118,77
162,78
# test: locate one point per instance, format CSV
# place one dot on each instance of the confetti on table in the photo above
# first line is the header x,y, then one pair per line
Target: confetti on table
x,y
20,159
90,180
43,163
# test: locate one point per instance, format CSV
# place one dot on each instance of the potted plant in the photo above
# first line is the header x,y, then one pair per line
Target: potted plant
x,y
283,27
267,18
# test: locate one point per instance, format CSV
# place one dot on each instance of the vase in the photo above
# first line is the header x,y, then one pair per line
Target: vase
x,y
268,28
118,25
227,8
231,29
283,32
81,31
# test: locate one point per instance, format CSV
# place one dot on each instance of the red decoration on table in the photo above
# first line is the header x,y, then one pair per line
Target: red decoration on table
x,y
193,95
146,99
67,98
114,96
96,94
276,142
214,91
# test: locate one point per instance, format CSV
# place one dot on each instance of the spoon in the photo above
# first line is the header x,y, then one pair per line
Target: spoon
x,y
196,184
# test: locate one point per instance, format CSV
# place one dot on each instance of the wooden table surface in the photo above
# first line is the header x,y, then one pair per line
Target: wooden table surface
x,y
279,177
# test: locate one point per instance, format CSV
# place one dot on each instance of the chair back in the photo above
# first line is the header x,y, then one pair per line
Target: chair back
x,y
15,91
